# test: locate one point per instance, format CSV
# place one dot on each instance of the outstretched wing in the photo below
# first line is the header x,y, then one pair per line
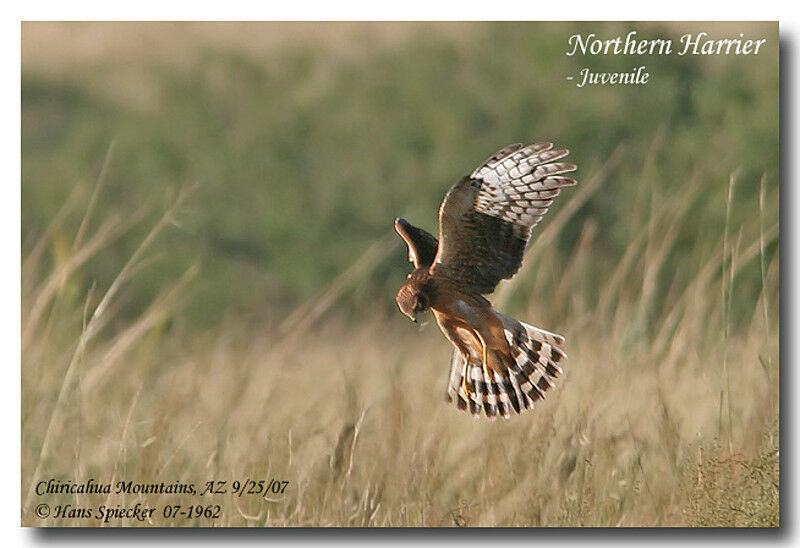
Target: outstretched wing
x,y
486,219
422,245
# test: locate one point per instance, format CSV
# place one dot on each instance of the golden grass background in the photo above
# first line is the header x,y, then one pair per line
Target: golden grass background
x,y
667,413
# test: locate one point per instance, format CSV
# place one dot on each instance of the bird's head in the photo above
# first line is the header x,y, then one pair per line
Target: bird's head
x,y
413,298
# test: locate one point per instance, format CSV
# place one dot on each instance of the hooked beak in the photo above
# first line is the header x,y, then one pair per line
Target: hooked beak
x,y
412,317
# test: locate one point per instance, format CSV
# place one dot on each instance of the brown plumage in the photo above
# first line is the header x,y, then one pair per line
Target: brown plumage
x,y
485,222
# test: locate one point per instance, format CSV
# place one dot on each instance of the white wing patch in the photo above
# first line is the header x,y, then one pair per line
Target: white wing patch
x,y
519,186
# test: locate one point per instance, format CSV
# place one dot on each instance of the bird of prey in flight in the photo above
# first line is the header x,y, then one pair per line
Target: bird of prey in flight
x,y
485,221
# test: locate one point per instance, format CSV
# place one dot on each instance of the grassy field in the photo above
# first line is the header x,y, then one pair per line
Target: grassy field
x,y
209,267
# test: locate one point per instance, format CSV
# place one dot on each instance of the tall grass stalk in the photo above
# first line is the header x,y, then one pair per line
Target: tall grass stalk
x,y
92,327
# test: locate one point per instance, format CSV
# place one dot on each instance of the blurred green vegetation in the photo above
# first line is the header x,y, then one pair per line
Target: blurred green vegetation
x,y
302,162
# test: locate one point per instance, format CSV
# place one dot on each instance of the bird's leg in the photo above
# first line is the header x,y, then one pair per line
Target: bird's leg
x,y
460,340
464,385
485,364
494,345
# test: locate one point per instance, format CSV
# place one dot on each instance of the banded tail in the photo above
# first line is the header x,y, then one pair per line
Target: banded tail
x,y
536,355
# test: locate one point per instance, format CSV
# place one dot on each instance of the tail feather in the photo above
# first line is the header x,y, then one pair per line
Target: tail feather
x,y
518,399
536,357
503,397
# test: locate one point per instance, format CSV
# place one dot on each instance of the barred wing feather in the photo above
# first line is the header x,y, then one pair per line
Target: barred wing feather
x,y
486,219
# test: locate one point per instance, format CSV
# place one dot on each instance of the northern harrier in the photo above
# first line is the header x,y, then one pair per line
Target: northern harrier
x,y
485,222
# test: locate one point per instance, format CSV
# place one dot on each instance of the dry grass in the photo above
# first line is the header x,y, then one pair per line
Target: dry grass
x,y
665,417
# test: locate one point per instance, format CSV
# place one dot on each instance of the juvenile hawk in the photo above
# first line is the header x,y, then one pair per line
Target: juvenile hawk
x,y
485,222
